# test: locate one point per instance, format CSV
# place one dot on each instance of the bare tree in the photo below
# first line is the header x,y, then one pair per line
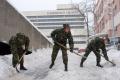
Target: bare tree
x,y
85,8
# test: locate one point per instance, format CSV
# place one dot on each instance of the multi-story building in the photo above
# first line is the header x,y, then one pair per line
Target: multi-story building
x,y
107,17
49,20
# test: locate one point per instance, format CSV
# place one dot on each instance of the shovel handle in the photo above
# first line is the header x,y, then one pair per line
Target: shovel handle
x,y
69,49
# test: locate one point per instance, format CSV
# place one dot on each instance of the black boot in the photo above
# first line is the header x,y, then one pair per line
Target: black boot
x,y
22,68
52,64
82,61
14,65
81,64
99,65
66,68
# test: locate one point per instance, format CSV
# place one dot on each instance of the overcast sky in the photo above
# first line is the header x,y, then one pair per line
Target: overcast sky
x,y
33,5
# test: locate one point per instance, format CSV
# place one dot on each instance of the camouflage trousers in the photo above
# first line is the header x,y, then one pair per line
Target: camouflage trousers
x,y
56,48
97,54
15,59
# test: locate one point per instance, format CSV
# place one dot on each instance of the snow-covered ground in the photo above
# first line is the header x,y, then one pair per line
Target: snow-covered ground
x,y
38,67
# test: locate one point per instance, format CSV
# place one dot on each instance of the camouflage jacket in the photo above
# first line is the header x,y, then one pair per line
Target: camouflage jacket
x,y
19,44
96,44
60,36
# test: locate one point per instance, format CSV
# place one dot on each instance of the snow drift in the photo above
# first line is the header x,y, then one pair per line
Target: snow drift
x,y
38,67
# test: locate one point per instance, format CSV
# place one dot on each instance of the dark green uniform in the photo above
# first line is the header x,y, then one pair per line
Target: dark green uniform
x,y
61,37
95,45
19,44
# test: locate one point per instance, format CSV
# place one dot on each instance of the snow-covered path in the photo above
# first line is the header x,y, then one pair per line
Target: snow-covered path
x,y
38,67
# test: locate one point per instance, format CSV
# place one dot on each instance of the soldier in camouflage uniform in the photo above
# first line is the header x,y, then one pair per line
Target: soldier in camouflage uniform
x,y
95,45
61,36
19,45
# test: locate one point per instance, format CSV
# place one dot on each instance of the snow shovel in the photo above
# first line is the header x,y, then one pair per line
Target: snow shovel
x,y
18,63
69,49
82,55
113,64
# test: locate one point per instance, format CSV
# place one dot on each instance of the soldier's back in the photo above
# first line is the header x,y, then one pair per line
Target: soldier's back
x,y
12,40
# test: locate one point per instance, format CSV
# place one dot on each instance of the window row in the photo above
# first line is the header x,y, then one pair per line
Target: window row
x,y
79,27
70,23
47,20
51,16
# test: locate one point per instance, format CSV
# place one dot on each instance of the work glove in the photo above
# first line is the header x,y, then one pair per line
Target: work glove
x,y
71,50
28,52
54,40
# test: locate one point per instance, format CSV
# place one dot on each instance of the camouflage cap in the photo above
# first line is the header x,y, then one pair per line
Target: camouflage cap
x,y
19,34
99,40
66,26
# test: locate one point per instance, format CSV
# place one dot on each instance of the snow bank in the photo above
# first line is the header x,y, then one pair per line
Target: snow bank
x,y
38,67
89,71
6,69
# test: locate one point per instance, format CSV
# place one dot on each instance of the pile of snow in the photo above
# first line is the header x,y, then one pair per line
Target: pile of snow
x,y
6,69
38,63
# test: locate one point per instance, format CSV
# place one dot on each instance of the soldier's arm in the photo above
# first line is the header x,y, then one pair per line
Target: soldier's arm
x,y
104,51
27,44
102,46
13,45
53,34
13,49
70,40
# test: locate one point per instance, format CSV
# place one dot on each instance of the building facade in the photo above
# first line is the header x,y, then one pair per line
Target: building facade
x,y
107,17
49,20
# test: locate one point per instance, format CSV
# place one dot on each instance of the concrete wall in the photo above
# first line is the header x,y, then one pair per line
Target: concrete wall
x,y
11,22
